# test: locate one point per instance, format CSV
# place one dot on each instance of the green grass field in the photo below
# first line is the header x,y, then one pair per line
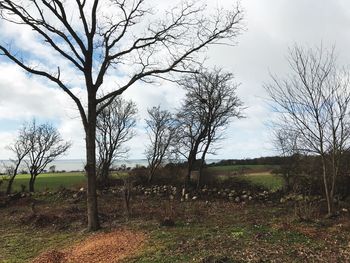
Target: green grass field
x,y
256,174
49,181
54,181
267,180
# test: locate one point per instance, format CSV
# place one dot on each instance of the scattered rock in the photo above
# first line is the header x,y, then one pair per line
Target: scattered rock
x,y
16,196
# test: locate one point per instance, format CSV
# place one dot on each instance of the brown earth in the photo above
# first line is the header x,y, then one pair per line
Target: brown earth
x,y
101,247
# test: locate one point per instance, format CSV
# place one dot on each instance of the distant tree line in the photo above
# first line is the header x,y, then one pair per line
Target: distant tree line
x,y
269,160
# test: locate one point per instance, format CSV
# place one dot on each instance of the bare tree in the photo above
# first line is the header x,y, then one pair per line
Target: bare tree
x,y
191,135
314,103
210,103
99,37
114,128
20,148
161,129
44,144
52,169
285,143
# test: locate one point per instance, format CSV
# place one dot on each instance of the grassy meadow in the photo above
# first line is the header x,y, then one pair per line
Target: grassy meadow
x,y
259,175
267,180
255,174
49,181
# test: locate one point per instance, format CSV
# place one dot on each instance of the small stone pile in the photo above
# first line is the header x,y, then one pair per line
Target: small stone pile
x,y
158,190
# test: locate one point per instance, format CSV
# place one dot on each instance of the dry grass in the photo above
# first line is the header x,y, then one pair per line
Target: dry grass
x,y
102,247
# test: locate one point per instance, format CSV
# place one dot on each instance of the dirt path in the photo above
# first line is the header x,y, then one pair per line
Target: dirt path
x,y
102,247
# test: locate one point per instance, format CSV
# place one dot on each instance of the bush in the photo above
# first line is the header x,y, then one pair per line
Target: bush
x,y
174,175
140,175
213,179
343,189
303,175
170,174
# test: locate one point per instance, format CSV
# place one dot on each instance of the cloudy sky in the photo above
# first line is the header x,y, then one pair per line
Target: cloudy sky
x,y
272,26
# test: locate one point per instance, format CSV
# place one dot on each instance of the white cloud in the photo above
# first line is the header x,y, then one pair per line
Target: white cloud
x,y
5,139
22,96
272,26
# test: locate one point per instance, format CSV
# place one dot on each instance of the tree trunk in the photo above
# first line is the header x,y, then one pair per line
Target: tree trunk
x,y
287,184
127,195
150,175
200,175
192,157
9,186
329,198
191,160
31,183
90,130
152,171
202,163
103,175
188,176
335,165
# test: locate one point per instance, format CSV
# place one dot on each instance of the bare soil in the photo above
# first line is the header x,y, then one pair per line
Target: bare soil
x,y
102,247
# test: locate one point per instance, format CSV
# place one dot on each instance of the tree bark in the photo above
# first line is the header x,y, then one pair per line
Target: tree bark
x,y
90,130
191,161
103,175
329,198
152,171
200,175
31,183
188,175
199,179
150,175
202,163
9,186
